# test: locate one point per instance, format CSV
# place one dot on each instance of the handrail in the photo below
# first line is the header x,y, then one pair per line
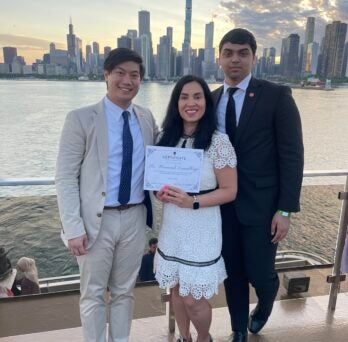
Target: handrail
x,y
50,180
336,276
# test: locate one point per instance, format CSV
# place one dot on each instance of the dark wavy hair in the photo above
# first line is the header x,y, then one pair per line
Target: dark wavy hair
x,y
173,127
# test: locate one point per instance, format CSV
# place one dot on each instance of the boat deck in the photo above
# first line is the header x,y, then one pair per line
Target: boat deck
x,y
298,317
302,319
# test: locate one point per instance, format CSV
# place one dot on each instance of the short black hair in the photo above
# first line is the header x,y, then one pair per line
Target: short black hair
x,y
173,126
239,36
153,241
121,55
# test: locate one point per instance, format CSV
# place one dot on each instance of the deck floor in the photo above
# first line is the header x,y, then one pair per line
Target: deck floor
x,y
302,319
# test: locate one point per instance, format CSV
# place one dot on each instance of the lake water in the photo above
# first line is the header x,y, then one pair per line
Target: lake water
x,y
32,113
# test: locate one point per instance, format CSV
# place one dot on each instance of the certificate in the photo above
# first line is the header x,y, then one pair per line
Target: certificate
x,y
180,167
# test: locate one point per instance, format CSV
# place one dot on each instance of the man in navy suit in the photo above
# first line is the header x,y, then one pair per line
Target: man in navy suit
x,y
264,126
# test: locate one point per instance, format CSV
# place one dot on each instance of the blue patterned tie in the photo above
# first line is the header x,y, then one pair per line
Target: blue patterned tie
x,y
126,170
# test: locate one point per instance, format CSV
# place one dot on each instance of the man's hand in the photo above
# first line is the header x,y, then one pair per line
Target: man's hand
x,y
280,227
78,246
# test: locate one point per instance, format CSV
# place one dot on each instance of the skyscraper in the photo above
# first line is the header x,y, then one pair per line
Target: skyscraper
x,y
74,46
188,17
209,65
95,48
331,61
309,38
144,30
289,55
9,54
186,46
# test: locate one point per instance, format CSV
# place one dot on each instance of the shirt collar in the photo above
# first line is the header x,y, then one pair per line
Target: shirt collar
x,y
115,109
243,85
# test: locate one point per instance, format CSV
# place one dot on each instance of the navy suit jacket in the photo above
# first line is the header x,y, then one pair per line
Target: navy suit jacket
x,y
269,149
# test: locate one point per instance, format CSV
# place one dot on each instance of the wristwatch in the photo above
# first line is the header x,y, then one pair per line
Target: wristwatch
x,y
195,204
284,213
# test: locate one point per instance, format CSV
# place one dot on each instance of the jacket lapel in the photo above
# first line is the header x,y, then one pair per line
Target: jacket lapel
x,y
251,96
147,137
102,138
217,96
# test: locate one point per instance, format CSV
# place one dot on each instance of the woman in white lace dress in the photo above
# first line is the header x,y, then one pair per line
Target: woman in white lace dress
x,y
188,257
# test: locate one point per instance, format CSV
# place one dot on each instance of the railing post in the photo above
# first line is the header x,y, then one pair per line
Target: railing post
x,y
170,312
167,298
336,277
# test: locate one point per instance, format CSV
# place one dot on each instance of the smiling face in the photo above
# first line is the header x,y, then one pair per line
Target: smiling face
x,y
123,83
191,106
236,60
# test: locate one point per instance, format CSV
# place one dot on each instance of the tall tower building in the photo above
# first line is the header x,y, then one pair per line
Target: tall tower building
x,y
124,42
186,46
308,39
74,46
144,30
289,55
163,57
188,19
95,48
331,61
9,54
209,65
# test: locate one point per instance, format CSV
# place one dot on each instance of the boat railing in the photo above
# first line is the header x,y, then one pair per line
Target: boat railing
x,y
285,259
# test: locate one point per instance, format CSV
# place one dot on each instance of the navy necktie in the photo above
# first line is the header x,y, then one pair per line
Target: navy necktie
x,y
126,170
230,118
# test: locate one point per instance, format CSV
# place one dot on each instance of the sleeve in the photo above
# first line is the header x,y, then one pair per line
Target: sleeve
x,y
70,157
222,152
290,151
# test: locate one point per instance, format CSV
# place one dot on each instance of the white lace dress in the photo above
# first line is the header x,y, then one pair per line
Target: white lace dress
x,y
190,240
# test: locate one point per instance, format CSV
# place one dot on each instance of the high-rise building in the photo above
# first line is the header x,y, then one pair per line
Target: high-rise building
x,y
209,66
289,56
163,56
107,50
144,29
95,48
9,54
124,42
345,61
74,47
331,59
170,47
144,23
186,46
309,38
312,58
188,19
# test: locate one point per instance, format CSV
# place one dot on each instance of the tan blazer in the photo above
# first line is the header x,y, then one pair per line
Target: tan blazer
x,y
81,171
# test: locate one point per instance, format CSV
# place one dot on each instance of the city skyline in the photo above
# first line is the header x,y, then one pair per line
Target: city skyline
x,y
31,27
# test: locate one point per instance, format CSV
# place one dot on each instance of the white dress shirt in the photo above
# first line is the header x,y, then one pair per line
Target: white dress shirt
x,y
115,122
238,98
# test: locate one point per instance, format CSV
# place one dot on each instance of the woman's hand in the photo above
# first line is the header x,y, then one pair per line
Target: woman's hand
x,y
176,196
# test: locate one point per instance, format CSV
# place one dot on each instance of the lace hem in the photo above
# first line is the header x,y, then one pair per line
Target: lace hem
x,y
169,274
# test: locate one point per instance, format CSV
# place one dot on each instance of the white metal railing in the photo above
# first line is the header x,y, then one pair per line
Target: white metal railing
x,y
336,276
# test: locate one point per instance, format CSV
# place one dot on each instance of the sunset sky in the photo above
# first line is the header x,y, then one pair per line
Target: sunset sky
x,y
32,25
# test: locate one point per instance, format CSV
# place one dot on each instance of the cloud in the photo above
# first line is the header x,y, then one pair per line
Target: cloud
x,y
27,43
273,20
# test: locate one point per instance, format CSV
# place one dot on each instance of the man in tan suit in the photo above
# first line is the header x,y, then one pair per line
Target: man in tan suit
x,y
99,180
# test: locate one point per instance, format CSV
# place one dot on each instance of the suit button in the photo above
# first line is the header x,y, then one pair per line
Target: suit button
x,y
103,193
99,215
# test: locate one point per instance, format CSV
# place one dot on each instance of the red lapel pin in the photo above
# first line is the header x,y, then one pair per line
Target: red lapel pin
x,y
251,94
